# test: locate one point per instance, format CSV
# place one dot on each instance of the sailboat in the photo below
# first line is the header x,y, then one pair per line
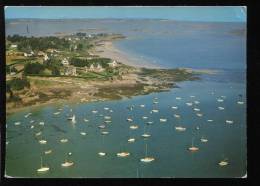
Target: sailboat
x,y
102,153
176,116
163,119
199,114
86,120
43,169
17,123
129,119
229,121
64,140
144,117
41,123
123,154
193,148
203,140
56,113
133,127
67,163
83,133
142,106
223,162
180,128
145,135
73,118
131,140
174,107
147,159
189,104
42,141
221,108
48,151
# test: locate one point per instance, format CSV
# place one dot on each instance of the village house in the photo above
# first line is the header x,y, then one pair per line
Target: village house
x,y
113,64
93,68
71,71
28,54
13,46
46,57
41,54
65,61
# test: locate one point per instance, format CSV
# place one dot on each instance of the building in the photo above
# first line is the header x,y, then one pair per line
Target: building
x,y
71,71
113,64
40,53
13,46
92,68
65,61
46,57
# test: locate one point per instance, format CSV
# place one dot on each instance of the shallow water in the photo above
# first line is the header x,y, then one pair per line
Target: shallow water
x,y
166,145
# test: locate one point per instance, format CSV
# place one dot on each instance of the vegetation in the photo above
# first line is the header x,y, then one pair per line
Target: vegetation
x,y
33,68
78,62
17,84
27,44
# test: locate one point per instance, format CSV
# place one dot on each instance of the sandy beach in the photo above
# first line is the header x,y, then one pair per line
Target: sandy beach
x,y
109,50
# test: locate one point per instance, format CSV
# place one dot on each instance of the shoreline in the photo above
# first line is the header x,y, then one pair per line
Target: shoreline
x,y
108,49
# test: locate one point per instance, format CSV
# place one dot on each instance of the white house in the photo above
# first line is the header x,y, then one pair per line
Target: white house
x,y
93,68
71,71
45,57
65,61
13,46
113,64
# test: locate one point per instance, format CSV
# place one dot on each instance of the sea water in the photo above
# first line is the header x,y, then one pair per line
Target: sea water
x,y
196,45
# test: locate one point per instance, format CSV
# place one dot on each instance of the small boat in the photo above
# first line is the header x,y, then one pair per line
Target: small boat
x,y
223,163
221,108
64,140
147,159
56,113
86,120
149,122
163,119
196,102
111,111
145,135
174,107
196,109
189,104
42,141
229,121
107,117
123,154
193,148
106,108
32,126
101,153
67,164
47,151
133,127
102,126
220,100
27,115
104,132
7,142
210,120
108,121
155,111
179,128
142,106
41,123
38,133
145,117
32,121
192,96
199,114
72,118
176,116
178,98
131,140
240,102
129,119
94,111
43,169
83,133
155,102
60,109
197,128
203,140
17,123
223,97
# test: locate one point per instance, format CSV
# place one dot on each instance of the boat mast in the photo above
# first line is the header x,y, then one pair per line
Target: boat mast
x,y
145,150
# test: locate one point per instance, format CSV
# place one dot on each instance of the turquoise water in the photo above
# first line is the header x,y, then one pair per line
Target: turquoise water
x,y
168,146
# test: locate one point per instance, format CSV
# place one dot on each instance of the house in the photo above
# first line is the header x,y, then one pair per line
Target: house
x,y
71,71
13,46
46,57
93,68
40,53
113,64
28,54
65,61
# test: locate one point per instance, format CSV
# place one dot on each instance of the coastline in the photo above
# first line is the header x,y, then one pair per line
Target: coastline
x,y
108,49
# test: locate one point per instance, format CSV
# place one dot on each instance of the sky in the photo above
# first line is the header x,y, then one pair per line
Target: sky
x,y
179,13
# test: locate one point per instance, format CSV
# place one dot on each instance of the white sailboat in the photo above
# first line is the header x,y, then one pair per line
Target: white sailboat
x,y
27,115
147,159
178,98
64,140
176,115
86,120
41,123
123,154
142,106
174,107
56,113
67,163
163,119
144,117
133,127
131,140
196,102
193,148
83,133
221,108
180,128
129,119
223,162
240,102
196,109
17,123
229,121
145,135
48,151
189,104
203,140
104,132
43,168
199,114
